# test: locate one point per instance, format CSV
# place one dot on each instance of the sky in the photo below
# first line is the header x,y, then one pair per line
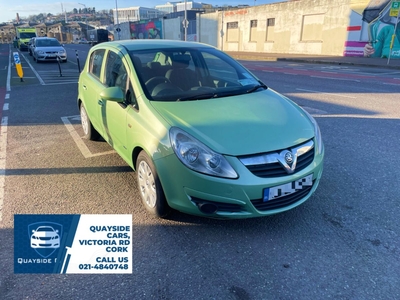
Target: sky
x,y
25,8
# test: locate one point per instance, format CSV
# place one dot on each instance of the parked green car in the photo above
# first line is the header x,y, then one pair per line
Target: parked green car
x,y
204,135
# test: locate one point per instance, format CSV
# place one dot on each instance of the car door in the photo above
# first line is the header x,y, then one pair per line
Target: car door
x,y
114,113
90,87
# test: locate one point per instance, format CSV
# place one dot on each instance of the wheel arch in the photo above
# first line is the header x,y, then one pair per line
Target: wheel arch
x,y
79,102
135,154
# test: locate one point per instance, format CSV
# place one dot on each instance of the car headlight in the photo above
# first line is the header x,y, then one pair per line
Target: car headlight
x,y
61,52
198,157
40,52
317,131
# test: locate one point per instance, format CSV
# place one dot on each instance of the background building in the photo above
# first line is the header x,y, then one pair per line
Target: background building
x,y
136,13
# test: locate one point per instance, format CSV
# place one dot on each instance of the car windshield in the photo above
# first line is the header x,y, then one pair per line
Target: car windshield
x,y
185,74
27,35
45,229
47,43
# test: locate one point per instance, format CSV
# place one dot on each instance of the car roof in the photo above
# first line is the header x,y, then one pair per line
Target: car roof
x,y
45,38
132,45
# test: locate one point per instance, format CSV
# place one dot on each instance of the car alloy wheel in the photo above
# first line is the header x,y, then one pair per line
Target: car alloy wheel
x,y
147,184
150,187
88,130
84,121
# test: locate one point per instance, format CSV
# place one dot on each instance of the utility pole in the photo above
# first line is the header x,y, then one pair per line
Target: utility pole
x,y
185,22
116,12
87,25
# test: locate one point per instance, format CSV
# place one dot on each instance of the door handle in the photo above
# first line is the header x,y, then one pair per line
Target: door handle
x,y
84,87
100,102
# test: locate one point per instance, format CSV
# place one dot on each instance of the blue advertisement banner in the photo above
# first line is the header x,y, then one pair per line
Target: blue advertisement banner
x,y
73,244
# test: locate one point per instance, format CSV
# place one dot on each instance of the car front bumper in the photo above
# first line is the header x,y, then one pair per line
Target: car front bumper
x,y
50,57
45,244
208,196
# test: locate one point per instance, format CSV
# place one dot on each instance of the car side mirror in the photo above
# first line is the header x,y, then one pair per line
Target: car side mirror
x,y
114,94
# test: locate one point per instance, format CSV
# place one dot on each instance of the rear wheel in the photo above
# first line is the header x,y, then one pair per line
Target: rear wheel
x,y
89,132
150,189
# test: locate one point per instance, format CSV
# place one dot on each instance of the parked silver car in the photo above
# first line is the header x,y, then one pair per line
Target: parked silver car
x,y
31,44
48,49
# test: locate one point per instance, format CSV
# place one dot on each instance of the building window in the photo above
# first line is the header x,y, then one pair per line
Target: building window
x,y
232,32
232,25
253,30
270,30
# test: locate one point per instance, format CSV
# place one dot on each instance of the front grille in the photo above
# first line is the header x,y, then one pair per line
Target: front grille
x,y
226,207
45,238
268,165
281,202
276,169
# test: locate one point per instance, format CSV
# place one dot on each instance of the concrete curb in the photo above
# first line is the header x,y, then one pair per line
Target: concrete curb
x,y
316,61
376,63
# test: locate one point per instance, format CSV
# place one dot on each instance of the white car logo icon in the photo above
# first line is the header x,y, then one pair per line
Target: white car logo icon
x,y
45,237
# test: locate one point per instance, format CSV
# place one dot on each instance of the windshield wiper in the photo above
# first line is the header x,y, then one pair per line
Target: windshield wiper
x,y
258,86
198,97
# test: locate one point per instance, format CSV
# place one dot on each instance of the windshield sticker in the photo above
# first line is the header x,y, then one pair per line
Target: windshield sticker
x,y
249,81
247,75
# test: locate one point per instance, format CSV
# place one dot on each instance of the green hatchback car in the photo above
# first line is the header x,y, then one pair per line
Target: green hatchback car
x,y
203,134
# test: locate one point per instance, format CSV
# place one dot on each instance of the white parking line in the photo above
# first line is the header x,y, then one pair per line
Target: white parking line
x,y
333,78
64,82
326,93
3,145
391,83
3,140
8,86
34,71
78,140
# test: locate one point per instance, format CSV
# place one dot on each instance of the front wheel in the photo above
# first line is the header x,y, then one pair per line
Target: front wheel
x,y
150,189
89,132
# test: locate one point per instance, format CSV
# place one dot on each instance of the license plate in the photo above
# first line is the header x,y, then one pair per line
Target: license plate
x,y
287,189
51,55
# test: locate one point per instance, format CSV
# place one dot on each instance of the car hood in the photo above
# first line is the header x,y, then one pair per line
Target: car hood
x,y
239,125
49,49
45,234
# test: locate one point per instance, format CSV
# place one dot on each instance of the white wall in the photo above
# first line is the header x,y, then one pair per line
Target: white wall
x,y
172,29
301,27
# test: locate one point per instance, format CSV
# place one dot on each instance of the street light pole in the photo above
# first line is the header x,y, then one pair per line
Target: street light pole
x,y
87,25
185,22
116,12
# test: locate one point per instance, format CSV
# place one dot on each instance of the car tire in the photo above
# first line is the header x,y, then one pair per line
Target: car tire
x,y
88,130
150,188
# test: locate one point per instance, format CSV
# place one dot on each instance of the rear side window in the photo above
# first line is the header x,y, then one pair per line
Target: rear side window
x,y
96,60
